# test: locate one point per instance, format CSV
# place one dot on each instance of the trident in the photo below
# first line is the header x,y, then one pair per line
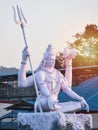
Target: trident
x,y
22,22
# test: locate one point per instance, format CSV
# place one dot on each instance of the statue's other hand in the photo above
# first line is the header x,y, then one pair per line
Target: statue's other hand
x,y
25,54
84,104
69,53
51,103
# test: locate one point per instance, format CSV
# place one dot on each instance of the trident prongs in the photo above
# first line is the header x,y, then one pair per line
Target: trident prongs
x,y
21,18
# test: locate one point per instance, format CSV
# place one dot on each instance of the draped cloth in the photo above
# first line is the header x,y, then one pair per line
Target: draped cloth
x,y
47,120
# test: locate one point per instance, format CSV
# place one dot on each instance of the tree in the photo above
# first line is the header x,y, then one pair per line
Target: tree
x,y
60,61
86,44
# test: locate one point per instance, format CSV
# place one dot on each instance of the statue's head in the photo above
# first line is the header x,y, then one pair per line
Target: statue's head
x,y
49,56
49,52
48,59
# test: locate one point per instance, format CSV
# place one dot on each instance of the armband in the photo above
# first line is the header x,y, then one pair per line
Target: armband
x,y
68,65
24,63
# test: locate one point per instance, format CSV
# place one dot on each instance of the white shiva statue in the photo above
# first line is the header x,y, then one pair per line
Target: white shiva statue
x,y
49,80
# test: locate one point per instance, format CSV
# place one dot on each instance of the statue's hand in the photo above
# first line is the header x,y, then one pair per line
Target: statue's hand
x,y
84,104
25,54
51,103
69,53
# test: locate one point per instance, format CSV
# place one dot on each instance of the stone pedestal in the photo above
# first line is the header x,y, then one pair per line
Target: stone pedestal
x,y
55,121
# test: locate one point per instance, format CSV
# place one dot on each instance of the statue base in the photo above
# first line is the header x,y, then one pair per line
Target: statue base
x,y
54,121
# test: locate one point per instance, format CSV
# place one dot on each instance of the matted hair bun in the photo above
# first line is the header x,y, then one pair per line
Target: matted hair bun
x,y
49,52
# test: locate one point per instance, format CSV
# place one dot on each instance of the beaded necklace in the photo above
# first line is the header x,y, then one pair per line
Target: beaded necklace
x,y
55,79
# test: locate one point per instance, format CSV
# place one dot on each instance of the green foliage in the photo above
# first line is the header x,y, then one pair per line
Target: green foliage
x,y
86,44
60,61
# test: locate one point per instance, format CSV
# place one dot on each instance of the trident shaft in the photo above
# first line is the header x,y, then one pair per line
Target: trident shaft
x,y
22,22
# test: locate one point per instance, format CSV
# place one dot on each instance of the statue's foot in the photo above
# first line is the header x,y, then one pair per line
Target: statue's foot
x,y
57,107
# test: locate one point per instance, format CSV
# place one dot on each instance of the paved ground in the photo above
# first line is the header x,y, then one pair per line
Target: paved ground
x,y
95,120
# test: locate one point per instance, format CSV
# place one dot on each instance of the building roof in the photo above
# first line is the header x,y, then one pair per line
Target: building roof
x,y
87,89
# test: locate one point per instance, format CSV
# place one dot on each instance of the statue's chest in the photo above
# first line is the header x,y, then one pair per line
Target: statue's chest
x,y
51,78
53,82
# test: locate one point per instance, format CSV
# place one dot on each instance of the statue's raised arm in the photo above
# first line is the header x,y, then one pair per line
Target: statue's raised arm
x,y
24,81
69,54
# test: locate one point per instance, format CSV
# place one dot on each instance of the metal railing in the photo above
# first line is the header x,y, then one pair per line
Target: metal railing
x,y
10,91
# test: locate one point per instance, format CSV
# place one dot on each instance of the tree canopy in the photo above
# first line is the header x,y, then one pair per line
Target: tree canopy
x,y
86,44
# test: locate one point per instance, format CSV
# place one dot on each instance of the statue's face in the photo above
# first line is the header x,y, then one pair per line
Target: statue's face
x,y
50,61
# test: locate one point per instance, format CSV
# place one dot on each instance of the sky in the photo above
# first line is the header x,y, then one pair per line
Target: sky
x,y
49,22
